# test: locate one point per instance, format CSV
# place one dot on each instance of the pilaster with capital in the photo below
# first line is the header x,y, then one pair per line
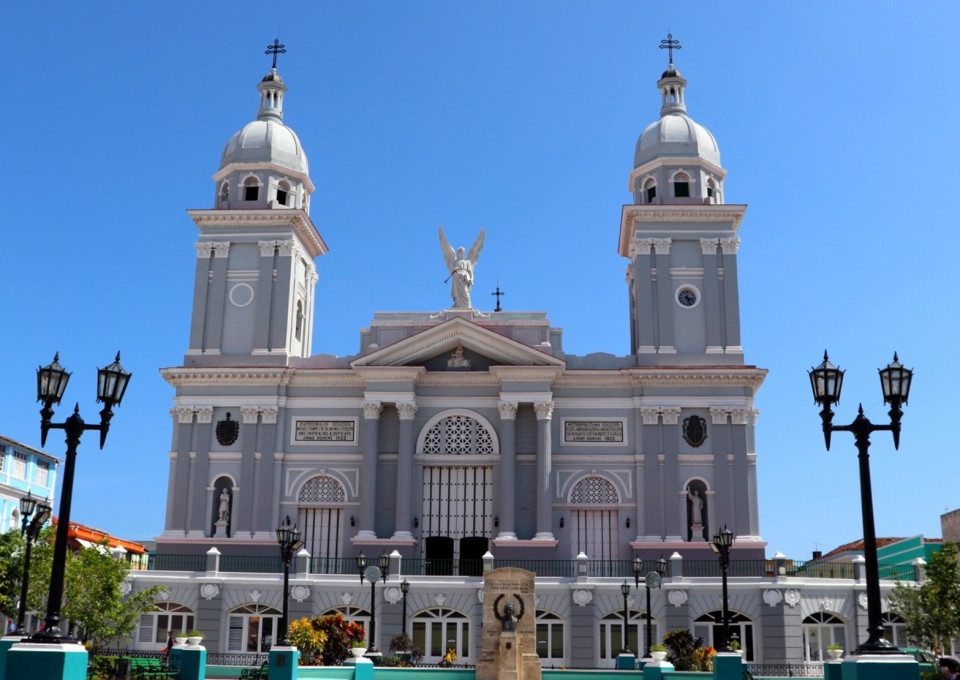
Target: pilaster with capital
x,y
643,272
731,295
713,314
652,445
544,411
368,470
675,522
404,492
508,464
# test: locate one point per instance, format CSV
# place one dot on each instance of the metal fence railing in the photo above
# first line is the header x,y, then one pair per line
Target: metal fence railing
x,y
811,669
547,568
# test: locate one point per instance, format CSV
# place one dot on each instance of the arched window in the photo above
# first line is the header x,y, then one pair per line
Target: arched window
x,y
168,616
595,529
283,192
251,628
894,629
821,630
439,629
713,191
458,435
320,518
681,185
224,193
550,639
709,628
650,190
611,633
251,189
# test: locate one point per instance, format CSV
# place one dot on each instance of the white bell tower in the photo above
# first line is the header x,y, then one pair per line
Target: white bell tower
x,y
681,240
255,278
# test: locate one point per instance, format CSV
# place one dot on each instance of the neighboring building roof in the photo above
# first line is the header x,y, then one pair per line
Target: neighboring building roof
x,y
80,535
857,545
24,447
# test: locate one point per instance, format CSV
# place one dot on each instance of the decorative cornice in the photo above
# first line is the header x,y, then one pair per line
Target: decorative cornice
x,y
295,218
711,216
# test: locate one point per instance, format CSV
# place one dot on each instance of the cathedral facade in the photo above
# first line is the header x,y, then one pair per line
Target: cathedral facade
x,y
460,438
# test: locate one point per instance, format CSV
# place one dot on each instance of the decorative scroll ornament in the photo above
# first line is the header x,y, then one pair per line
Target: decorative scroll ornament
x,y
227,431
125,588
694,431
209,590
439,598
772,597
677,598
392,595
300,593
792,597
862,601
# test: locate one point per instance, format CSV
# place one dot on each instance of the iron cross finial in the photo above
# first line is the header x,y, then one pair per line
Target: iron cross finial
x,y
275,49
498,293
671,45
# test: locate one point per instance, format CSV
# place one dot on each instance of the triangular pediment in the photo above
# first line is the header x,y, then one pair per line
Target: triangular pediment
x,y
445,338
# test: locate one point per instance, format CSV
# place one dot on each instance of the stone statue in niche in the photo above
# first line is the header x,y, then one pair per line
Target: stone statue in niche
x,y
223,514
696,514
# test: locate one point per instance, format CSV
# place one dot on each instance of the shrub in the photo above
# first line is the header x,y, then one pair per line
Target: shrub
x,y
308,638
682,646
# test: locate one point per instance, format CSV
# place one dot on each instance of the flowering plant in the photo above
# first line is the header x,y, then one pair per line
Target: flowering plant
x,y
703,658
449,658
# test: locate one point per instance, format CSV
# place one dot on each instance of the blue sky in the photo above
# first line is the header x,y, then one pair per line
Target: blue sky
x,y
836,123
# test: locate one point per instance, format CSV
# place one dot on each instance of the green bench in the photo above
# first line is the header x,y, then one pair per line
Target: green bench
x,y
256,673
151,669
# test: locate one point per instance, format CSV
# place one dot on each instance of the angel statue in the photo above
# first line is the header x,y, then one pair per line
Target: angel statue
x,y
461,269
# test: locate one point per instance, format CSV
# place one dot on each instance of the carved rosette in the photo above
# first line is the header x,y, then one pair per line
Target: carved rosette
x,y
772,597
300,593
125,588
582,597
677,598
792,597
392,595
208,591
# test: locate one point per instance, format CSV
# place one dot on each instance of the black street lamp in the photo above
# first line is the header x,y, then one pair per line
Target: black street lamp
x,y
405,589
625,590
373,573
288,536
52,381
827,381
29,505
653,579
721,545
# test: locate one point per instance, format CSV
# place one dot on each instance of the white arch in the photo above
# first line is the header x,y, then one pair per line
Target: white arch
x,y
296,484
343,489
483,422
221,475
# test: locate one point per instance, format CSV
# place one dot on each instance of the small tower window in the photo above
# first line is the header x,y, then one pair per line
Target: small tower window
x,y
283,192
251,189
681,185
224,194
650,189
298,329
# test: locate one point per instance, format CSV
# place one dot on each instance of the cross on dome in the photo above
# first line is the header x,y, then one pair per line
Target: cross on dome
x,y
669,44
275,49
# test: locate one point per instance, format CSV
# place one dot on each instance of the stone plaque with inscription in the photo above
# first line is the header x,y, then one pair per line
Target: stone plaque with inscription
x,y
593,431
326,431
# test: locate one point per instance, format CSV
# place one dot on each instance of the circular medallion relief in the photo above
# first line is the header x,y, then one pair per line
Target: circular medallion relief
x,y
241,295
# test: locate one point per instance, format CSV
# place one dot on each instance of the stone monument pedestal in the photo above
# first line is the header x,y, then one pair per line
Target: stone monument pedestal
x,y
509,646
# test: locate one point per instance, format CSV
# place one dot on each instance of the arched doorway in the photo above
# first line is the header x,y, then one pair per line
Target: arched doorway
x,y
457,499
594,525
320,517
